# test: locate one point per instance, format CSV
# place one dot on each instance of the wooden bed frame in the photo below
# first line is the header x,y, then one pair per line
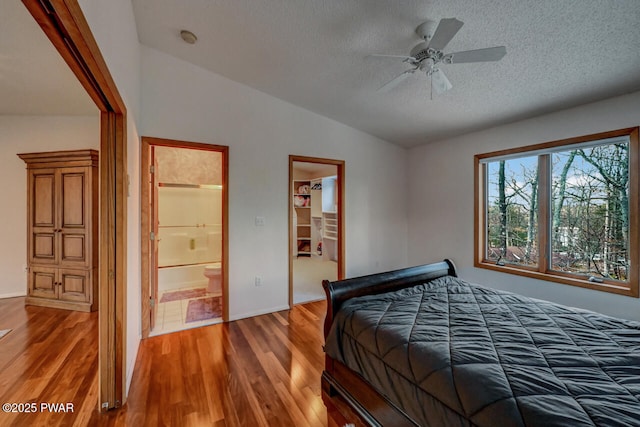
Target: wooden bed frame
x,y
340,382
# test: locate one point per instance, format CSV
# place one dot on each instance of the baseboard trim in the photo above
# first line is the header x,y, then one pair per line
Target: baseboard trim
x,y
13,295
258,313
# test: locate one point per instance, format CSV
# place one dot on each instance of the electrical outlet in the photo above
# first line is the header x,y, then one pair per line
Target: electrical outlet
x,y
258,281
260,221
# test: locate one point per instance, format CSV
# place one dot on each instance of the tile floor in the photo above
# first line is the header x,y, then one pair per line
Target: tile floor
x,y
171,315
308,274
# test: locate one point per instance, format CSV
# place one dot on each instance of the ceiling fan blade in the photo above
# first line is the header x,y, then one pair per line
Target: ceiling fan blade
x,y
439,82
447,28
405,57
478,55
396,80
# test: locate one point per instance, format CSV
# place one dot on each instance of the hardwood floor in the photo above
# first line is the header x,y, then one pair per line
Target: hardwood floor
x,y
50,356
261,371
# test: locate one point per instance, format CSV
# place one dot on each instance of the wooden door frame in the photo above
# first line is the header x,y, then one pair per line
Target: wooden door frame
x,y
145,220
340,164
66,27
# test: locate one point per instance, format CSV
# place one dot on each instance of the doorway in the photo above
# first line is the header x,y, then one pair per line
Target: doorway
x,y
184,211
316,231
67,29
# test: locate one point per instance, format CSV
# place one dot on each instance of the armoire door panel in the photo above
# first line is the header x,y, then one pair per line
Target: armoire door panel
x,y
74,285
43,282
73,249
73,200
62,229
43,200
43,248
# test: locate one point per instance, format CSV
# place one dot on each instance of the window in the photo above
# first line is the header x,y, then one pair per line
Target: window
x,y
564,211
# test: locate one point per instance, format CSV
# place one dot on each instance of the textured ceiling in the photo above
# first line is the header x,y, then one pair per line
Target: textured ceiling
x,y
34,79
313,53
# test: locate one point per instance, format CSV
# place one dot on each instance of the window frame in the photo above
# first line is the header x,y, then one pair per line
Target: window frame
x,y
543,270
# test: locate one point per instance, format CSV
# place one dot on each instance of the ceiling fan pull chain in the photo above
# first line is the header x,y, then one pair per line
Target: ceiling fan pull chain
x,y
431,87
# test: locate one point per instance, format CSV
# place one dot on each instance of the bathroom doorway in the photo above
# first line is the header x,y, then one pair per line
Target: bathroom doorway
x,y
186,233
316,236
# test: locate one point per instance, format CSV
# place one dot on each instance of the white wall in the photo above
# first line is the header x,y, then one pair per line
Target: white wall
x,y
185,102
441,198
29,134
113,26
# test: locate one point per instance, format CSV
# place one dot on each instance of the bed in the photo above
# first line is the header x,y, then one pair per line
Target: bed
x,y
419,346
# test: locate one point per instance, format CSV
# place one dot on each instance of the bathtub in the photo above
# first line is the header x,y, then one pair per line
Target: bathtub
x,y
189,235
183,254
185,276
189,245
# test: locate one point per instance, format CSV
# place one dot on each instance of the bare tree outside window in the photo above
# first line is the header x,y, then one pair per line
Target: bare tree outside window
x,y
563,210
512,215
591,211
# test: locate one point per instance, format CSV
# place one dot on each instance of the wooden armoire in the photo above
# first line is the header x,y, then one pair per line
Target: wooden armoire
x,y
62,229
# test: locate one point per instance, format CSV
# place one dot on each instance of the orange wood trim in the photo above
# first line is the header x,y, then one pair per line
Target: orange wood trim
x,y
145,227
543,271
341,245
558,277
478,212
120,226
634,211
341,226
65,25
290,227
544,212
145,230
225,230
162,142
107,255
554,144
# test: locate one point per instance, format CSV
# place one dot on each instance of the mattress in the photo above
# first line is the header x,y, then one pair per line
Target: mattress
x,y
451,353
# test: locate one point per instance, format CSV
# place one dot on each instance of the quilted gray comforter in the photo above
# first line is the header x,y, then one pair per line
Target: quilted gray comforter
x,y
452,353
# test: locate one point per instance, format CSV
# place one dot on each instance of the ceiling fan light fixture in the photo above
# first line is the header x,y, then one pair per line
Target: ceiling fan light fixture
x,y
188,36
428,54
439,82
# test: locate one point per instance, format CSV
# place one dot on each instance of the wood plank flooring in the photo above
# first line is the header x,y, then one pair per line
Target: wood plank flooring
x,y
261,371
50,356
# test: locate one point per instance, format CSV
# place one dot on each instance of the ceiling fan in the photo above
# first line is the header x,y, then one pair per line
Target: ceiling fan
x,y
426,56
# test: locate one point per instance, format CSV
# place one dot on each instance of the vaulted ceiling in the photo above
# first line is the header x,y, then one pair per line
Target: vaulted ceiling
x,y
34,79
315,54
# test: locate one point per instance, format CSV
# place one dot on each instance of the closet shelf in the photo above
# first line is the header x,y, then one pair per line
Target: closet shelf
x,y
302,203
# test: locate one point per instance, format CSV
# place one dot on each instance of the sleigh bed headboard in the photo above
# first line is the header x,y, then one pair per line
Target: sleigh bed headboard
x,y
341,290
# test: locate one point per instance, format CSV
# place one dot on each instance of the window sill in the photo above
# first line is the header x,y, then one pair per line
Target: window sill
x,y
607,286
